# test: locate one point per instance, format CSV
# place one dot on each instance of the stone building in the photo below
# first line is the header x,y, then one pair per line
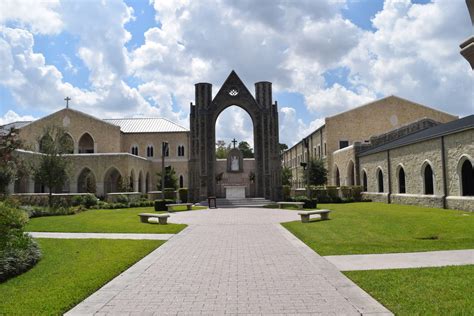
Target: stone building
x,y
357,125
108,153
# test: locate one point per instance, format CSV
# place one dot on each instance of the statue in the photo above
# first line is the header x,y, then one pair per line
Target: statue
x,y
234,165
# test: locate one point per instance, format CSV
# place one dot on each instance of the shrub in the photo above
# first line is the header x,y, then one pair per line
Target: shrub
x,y
18,251
357,192
160,205
89,200
183,195
332,191
77,200
170,194
308,203
286,192
122,198
346,192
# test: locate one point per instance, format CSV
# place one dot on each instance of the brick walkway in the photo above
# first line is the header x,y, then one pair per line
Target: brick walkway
x,y
231,261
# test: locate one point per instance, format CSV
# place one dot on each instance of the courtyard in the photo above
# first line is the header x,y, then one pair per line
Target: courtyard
x,y
245,261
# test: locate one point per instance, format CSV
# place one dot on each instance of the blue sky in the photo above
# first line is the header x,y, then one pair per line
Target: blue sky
x,y
141,58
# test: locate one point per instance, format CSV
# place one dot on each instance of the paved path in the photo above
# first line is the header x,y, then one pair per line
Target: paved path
x,y
231,261
100,236
402,260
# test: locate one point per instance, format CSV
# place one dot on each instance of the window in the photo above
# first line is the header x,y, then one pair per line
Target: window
x,y
181,151
401,181
325,152
364,180
428,180
165,149
467,179
380,180
134,150
319,151
343,144
149,151
338,177
86,144
181,181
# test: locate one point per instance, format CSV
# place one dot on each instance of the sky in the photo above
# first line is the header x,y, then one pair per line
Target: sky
x,y
140,58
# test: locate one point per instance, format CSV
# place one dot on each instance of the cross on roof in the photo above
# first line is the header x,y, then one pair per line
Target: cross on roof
x,y
234,142
67,99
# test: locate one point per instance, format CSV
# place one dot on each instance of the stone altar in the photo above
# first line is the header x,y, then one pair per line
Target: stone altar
x,y
235,192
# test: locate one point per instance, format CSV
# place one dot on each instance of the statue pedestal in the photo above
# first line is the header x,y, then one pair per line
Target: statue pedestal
x,y
235,192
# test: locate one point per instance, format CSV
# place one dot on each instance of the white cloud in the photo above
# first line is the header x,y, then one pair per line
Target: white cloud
x,y
234,122
292,128
11,116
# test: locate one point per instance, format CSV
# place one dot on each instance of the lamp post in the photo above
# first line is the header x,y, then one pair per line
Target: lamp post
x,y
164,150
305,164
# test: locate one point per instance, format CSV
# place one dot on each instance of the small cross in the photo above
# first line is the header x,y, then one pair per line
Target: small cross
x,y
67,99
234,142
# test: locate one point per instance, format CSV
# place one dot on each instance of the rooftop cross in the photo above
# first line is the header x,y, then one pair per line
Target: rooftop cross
x,y
67,99
234,142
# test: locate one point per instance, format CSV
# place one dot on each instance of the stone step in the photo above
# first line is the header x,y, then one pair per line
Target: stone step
x,y
248,202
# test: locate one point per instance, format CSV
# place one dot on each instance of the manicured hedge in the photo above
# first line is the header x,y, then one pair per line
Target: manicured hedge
x,y
160,205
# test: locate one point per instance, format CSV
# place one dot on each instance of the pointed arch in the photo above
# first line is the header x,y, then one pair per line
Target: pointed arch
x,y
141,183
337,176
428,177
44,143
350,173
380,180
401,179
131,182
364,180
112,180
21,184
68,143
86,144
466,176
86,181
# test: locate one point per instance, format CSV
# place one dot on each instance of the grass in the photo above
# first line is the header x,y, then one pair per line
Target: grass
x,y
365,228
102,221
423,291
70,271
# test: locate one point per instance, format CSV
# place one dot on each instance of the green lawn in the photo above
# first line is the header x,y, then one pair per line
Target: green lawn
x,y
69,271
102,221
425,291
363,228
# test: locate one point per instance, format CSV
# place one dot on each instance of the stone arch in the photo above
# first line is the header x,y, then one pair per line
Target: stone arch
x,y
86,144
43,142
379,177
264,115
132,186
141,183
364,180
112,180
428,178
350,173
401,179
337,176
21,184
69,142
465,170
86,181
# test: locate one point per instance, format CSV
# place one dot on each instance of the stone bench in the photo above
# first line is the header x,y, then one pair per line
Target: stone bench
x,y
297,204
305,215
151,218
171,206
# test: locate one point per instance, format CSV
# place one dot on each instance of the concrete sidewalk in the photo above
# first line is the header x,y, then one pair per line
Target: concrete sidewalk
x,y
231,261
403,260
101,236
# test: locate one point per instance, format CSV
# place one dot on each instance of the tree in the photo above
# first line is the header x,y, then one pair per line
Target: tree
x,y
9,162
318,174
283,147
247,151
222,150
171,181
286,176
51,170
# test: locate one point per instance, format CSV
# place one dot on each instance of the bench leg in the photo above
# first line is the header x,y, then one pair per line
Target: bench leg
x,y
324,216
143,219
305,218
163,220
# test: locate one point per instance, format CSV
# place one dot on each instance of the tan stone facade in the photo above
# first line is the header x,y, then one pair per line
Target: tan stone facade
x,y
103,152
356,126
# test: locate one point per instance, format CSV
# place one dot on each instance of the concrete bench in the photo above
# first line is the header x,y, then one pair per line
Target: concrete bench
x,y
305,215
171,206
297,204
151,218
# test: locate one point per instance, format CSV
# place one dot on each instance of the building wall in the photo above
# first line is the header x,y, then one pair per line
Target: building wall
x,y
143,140
345,160
107,137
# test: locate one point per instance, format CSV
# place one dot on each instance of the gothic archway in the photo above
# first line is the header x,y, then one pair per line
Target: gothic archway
x,y
264,115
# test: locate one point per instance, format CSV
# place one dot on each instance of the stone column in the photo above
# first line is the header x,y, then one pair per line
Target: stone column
x,y
31,186
135,185
99,188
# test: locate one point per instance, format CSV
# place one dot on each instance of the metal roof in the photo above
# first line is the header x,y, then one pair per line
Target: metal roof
x,y
434,132
146,125
4,129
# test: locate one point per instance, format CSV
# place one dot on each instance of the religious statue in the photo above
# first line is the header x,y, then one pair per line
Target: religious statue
x,y
234,165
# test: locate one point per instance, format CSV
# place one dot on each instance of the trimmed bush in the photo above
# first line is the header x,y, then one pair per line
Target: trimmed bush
x,y
357,192
332,191
89,200
308,203
170,194
346,192
77,200
18,251
122,198
183,195
160,205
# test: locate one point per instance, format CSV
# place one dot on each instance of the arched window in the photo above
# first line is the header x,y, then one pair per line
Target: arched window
x,y
380,180
67,144
112,181
44,142
149,151
428,180
338,177
181,151
467,178
86,182
350,173
364,180
134,150
181,181
401,181
86,144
